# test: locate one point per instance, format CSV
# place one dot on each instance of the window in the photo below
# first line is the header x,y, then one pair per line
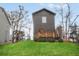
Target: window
x,y
44,19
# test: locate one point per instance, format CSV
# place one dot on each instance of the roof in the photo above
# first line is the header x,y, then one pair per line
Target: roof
x,y
5,15
45,10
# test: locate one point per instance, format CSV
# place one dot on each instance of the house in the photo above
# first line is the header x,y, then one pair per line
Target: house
x,y
4,26
44,21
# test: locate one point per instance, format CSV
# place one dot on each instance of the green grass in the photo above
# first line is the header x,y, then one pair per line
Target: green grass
x,y
31,48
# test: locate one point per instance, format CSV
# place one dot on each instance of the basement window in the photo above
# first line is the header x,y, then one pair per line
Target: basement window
x,y
44,19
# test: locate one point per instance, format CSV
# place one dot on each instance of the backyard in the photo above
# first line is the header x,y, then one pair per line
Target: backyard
x,y
31,48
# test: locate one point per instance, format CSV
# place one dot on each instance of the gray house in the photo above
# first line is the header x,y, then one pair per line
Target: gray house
x,y
4,26
43,21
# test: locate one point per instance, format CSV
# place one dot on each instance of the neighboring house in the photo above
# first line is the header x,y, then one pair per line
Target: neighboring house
x,y
4,27
43,20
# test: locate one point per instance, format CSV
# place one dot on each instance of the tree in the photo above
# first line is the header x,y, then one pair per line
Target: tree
x,y
65,12
68,19
60,11
15,17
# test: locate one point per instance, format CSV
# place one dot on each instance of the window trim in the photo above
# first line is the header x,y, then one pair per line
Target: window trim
x,y
44,19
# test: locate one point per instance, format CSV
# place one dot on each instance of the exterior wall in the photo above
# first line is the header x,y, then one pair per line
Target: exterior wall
x,y
4,27
37,21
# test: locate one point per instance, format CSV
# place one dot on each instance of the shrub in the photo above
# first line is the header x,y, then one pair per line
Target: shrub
x,y
51,40
60,40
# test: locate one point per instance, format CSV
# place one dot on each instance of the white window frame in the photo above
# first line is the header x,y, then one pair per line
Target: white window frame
x,y
44,19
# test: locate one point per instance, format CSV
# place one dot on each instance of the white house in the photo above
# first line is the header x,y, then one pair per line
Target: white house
x,y
4,27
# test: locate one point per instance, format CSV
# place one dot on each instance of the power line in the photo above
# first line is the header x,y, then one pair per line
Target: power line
x,y
74,19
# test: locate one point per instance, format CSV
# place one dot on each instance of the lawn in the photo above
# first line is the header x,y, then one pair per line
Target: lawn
x,y
31,48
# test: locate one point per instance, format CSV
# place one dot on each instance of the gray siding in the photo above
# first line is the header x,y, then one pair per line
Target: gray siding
x,y
37,20
4,27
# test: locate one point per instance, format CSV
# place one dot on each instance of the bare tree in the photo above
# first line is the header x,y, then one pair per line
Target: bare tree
x,y
66,17
16,17
60,11
65,13
67,20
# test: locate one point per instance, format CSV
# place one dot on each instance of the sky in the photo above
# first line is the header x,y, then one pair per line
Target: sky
x,y
32,7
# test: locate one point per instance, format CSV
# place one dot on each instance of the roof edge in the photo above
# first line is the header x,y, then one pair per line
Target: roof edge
x,y
5,14
43,9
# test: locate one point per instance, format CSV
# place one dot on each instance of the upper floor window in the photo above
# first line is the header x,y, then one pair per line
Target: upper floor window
x,y
44,19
